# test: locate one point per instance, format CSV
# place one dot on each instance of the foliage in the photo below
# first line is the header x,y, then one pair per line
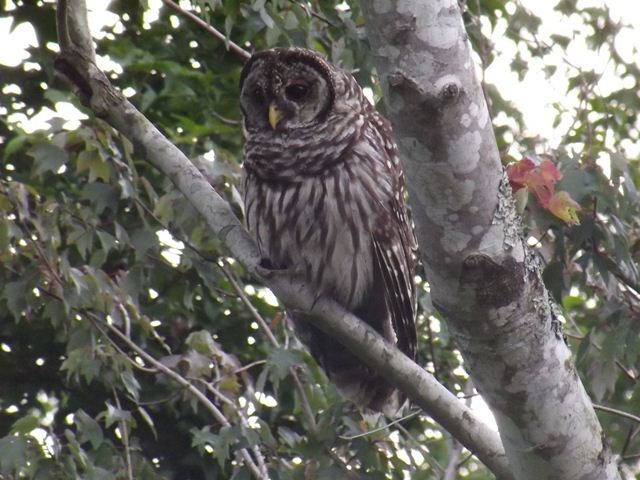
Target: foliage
x,y
85,254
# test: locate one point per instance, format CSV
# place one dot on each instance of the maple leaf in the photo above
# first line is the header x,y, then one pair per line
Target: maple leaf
x,y
518,173
525,176
564,207
541,181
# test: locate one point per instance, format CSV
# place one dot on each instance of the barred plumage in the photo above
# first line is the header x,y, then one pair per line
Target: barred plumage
x,y
323,198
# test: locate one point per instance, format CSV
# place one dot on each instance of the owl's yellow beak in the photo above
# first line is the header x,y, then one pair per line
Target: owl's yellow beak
x,y
275,115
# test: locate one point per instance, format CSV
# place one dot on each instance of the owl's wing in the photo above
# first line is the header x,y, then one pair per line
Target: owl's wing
x,y
393,260
394,243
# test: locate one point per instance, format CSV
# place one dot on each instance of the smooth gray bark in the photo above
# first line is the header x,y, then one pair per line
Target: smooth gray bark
x,y
76,66
484,280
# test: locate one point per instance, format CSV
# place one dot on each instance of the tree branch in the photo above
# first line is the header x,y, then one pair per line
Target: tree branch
x,y
234,48
97,93
615,411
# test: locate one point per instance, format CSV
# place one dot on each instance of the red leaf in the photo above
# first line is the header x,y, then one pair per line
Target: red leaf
x,y
564,207
518,173
549,171
541,180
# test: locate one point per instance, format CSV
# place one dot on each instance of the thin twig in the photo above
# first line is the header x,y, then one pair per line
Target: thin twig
x,y
306,406
633,429
615,411
456,447
243,420
247,303
421,446
226,120
25,231
150,403
384,427
313,13
465,459
201,397
235,283
125,319
125,438
451,470
248,366
123,353
231,46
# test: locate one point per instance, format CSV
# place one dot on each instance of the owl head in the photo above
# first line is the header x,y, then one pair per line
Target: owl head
x,y
286,89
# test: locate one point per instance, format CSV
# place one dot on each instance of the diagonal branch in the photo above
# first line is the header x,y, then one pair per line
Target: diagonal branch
x,y
97,93
231,46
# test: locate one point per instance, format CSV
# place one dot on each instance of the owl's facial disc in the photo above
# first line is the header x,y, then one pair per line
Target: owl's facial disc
x,y
300,96
295,97
281,95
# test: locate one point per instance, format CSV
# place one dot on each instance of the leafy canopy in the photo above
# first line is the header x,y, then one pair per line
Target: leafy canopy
x,y
86,252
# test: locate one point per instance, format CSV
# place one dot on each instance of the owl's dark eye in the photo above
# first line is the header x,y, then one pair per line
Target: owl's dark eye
x,y
296,92
259,96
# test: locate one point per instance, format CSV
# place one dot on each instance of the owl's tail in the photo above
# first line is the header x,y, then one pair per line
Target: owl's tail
x,y
362,385
355,381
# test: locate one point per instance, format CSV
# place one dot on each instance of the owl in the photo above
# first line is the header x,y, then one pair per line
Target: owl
x,y
324,200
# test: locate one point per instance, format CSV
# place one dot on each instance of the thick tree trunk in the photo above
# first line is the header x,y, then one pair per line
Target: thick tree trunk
x,y
484,280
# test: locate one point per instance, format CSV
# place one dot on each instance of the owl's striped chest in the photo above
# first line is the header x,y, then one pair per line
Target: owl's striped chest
x,y
319,227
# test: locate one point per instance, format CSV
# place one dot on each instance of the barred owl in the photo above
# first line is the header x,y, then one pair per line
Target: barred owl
x,y
323,198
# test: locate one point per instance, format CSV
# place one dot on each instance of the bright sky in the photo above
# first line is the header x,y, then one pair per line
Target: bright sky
x,y
535,95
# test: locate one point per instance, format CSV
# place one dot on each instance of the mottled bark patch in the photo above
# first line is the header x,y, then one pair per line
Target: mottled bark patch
x,y
506,215
495,284
553,446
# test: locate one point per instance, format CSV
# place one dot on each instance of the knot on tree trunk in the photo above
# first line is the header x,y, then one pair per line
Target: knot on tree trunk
x,y
495,284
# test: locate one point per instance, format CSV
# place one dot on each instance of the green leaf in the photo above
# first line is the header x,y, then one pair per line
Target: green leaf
x,y
107,240
88,429
80,363
25,425
602,374
82,238
583,349
13,293
148,420
118,416
13,451
281,360
202,342
15,144
143,240
101,195
48,157
91,161
227,436
130,383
